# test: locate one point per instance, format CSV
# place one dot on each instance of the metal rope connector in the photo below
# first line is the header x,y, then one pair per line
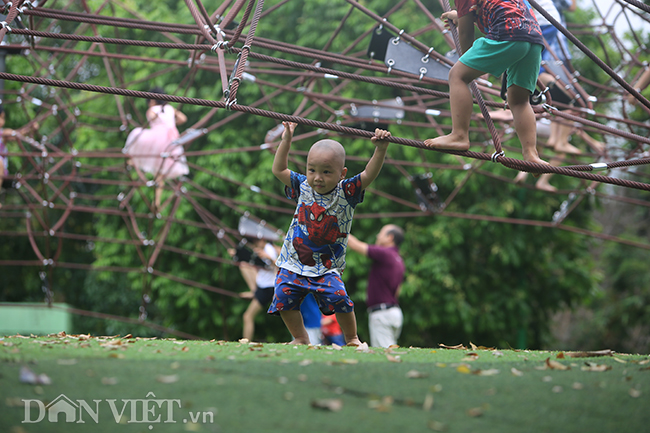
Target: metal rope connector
x,y
5,26
229,104
495,155
599,166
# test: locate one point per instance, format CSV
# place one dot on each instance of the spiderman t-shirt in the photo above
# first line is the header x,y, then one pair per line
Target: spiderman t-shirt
x,y
316,241
503,20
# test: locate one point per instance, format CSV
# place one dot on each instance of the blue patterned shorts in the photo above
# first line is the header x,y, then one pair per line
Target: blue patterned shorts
x,y
328,289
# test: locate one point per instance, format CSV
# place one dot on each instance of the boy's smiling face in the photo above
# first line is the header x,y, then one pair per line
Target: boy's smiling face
x,y
325,166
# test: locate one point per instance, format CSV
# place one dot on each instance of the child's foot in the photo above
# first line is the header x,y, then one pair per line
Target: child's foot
x,y
446,142
300,341
542,184
534,157
354,342
567,148
521,177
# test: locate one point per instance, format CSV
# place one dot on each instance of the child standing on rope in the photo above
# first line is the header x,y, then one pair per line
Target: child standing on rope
x,y
513,42
313,253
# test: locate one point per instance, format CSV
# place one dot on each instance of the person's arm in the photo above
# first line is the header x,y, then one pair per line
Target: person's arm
x,y
356,245
180,117
370,173
281,159
466,31
574,6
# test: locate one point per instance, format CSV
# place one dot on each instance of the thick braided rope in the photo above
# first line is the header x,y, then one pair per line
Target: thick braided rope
x,y
243,54
639,4
242,23
508,162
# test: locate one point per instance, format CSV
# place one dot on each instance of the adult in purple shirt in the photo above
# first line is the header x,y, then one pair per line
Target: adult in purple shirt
x,y
386,275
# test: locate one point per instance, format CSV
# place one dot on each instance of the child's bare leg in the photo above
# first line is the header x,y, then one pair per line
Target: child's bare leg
x,y
348,323
598,146
460,99
562,144
249,319
524,123
293,320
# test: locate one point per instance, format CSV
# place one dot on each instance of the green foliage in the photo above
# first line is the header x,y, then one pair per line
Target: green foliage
x,y
467,278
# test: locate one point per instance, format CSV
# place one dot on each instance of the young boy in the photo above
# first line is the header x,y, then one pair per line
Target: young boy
x,y
313,253
513,42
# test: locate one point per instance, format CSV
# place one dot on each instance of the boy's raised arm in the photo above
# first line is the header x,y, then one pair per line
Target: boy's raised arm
x,y
377,160
280,161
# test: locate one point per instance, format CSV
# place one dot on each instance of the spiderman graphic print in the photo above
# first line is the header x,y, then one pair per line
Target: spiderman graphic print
x,y
503,20
317,237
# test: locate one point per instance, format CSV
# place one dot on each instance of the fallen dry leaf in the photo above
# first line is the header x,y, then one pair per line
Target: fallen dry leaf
x,y
516,372
590,354
634,393
428,402
592,366
473,346
557,389
456,347
109,380
554,365
331,404
463,369
336,347
392,358
475,412
414,374
172,378
577,386
488,372
436,426
470,357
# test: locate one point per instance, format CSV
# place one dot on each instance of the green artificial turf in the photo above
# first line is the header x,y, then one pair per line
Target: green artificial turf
x,y
241,387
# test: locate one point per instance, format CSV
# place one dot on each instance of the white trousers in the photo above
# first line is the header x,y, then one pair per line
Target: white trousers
x,y
385,326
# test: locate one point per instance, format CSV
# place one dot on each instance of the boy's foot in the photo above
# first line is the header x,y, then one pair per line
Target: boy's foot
x,y
521,177
567,148
354,342
446,142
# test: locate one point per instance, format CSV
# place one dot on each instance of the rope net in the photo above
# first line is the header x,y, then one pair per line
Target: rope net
x,y
74,68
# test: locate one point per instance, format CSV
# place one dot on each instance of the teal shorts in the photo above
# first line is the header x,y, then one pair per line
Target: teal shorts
x,y
521,59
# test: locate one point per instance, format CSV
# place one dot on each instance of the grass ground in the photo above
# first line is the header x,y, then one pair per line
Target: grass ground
x,y
142,385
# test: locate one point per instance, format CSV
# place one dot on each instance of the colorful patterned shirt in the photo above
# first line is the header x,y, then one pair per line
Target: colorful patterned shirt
x,y
503,20
316,241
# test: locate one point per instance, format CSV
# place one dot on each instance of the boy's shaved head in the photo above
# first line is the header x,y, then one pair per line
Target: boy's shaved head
x,y
329,146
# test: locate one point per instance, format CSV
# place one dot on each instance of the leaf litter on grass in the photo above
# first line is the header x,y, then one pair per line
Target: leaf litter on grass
x,y
366,381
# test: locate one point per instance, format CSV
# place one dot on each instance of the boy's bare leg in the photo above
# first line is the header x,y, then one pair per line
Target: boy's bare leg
x,y
524,123
293,320
249,319
460,99
348,323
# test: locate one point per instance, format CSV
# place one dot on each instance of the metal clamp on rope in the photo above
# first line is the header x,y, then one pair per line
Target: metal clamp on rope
x,y
495,155
229,104
596,166
5,26
246,47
